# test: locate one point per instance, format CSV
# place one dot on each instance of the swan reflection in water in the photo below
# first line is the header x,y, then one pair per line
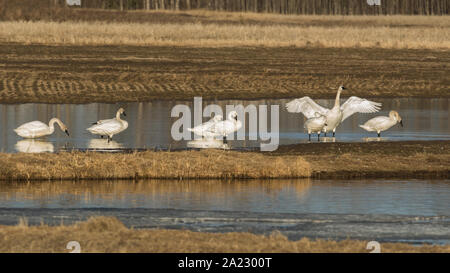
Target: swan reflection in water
x,y
34,146
104,144
373,139
207,144
328,139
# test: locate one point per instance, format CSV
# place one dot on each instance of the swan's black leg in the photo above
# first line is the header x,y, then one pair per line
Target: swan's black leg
x,y
309,137
333,133
379,134
225,141
318,136
101,136
325,133
109,139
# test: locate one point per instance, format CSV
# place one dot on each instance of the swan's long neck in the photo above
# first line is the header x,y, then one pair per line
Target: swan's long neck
x,y
338,97
118,115
51,124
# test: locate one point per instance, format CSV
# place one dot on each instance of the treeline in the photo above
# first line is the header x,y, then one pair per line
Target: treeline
x,y
338,7
319,7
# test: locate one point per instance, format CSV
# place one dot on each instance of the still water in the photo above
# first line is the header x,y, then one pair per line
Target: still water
x,y
413,211
150,124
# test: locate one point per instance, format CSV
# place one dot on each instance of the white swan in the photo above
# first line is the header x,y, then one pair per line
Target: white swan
x,y
315,125
109,127
203,129
35,129
335,115
226,127
382,123
34,146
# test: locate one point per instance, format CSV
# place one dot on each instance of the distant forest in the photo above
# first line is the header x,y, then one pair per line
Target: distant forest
x,y
340,7
319,7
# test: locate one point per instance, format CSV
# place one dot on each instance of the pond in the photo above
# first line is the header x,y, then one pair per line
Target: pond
x,y
414,211
150,124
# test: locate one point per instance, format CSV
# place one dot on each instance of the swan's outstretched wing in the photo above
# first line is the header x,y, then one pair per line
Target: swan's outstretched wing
x,y
306,106
358,105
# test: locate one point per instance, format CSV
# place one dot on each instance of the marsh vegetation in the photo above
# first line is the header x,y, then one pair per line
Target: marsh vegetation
x,y
106,234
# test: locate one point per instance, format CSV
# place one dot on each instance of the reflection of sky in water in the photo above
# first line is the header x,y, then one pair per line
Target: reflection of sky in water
x,y
399,197
150,123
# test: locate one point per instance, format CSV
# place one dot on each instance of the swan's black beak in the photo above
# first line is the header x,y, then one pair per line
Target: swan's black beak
x,y
93,123
401,123
67,132
124,114
235,118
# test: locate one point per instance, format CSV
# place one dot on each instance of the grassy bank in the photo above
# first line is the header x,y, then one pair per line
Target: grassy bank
x,y
327,160
102,234
171,165
86,74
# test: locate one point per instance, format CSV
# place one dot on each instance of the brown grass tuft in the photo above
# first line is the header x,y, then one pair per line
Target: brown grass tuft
x,y
104,234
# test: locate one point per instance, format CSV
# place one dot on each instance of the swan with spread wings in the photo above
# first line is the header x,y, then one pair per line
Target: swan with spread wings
x,y
335,115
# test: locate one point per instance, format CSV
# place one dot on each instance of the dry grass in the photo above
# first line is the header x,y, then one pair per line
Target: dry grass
x,y
173,165
333,160
226,30
104,234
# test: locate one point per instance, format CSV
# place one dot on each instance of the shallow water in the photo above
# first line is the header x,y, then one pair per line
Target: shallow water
x,y
413,211
150,124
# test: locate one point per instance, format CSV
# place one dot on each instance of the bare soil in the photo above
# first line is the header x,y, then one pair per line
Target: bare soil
x,y
86,74
405,159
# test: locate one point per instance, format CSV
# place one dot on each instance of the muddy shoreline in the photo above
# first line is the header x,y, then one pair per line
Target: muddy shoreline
x,y
403,159
87,74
